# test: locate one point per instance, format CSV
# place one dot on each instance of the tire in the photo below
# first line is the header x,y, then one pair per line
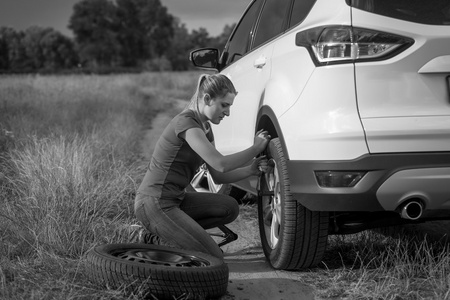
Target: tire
x,y
205,184
292,236
162,272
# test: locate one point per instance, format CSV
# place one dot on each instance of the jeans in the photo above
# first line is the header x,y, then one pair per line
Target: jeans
x,y
183,222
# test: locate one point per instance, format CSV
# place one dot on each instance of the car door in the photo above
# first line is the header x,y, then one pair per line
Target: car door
x,y
250,71
233,133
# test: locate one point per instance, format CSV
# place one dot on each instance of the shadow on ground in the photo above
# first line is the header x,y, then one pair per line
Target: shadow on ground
x,y
251,276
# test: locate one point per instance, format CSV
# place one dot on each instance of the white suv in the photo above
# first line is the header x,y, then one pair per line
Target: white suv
x,y
355,94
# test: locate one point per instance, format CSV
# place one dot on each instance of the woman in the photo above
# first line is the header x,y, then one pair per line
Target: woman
x,y
166,210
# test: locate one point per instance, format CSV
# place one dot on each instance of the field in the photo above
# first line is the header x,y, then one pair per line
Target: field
x,y
70,164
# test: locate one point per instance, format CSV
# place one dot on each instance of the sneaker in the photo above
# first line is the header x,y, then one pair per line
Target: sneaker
x,y
135,230
146,237
141,235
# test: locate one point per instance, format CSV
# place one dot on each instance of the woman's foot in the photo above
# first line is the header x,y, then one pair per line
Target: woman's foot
x,y
141,235
146,237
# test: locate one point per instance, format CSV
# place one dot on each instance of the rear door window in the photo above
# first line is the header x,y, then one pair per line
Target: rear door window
x,y
300,10
240,41
431,12
273,20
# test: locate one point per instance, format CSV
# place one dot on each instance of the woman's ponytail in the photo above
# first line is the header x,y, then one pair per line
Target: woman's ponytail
x,y
193,104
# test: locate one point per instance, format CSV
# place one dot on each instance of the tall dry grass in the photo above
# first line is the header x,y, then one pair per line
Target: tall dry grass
x,y
69,168
372,266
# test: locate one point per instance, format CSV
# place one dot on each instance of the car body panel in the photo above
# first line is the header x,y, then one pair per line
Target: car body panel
x,y
428,185
319,126
404,101
408,134
440,64
370,194
233,134
291,70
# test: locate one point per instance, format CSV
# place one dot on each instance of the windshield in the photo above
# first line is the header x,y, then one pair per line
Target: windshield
x,y
432,12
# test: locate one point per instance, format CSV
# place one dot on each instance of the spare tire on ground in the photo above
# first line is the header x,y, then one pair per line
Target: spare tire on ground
x,y
158,271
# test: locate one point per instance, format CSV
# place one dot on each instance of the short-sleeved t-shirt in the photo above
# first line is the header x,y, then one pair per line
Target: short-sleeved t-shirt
x,y
173,163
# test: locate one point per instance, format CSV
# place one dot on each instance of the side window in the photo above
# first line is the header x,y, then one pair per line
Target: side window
x,y
272,21
239,42
300,10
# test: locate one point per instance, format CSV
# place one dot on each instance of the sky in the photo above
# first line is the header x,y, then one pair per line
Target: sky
x,y
210,14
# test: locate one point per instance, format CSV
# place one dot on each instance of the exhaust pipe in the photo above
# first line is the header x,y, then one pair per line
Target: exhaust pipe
x,y
412,210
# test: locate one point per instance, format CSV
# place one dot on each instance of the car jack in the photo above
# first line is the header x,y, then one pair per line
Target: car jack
x,y
228,235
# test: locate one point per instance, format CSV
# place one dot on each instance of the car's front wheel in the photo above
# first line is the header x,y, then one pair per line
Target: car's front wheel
x,y
292,236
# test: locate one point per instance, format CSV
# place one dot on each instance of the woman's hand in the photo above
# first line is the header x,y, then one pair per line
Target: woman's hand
x,y
259,165
262,138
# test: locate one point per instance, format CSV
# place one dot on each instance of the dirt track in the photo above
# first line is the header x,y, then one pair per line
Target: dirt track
x,y
251,277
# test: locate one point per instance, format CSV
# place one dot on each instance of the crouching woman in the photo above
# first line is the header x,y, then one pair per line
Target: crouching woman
x,y
173,216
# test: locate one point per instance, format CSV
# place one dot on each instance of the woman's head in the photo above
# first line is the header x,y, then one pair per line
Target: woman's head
x,y
213,98
216,85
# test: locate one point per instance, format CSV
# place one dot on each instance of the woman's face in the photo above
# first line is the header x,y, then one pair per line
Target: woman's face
x,y
217,108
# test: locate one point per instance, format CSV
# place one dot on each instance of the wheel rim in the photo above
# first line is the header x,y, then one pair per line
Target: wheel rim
x,y
273,206
212,186
205,184
161,257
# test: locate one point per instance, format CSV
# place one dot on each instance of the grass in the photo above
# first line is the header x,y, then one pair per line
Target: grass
x,y
400,264
69,170
370,265
70,163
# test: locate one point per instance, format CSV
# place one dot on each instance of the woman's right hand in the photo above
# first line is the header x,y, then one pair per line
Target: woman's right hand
x,y
261,140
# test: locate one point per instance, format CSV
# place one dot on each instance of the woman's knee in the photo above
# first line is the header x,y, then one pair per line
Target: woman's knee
x,y
145,210
233,209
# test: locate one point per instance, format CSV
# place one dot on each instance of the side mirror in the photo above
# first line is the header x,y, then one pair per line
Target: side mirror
x,y
205,58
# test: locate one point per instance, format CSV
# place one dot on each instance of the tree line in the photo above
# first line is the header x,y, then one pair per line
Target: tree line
x,y
108,36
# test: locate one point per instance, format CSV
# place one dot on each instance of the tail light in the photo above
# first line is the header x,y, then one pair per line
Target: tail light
x,y
346,44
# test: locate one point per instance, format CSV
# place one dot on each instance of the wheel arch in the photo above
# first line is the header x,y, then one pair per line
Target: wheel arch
x,y
267,120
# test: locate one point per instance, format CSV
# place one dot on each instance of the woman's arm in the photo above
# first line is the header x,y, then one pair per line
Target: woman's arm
x,y
254,168
197,140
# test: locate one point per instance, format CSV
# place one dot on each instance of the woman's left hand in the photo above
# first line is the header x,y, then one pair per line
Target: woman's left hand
x,y
262,138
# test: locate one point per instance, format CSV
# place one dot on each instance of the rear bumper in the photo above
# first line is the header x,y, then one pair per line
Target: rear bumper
x,y
391,179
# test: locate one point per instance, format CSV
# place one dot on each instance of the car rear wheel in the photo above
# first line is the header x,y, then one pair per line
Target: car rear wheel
x,y
292,236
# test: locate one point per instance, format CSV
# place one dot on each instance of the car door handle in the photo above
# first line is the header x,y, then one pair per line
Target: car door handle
x,y
260,62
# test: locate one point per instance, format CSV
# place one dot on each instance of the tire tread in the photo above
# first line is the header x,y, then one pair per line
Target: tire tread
x,y
304,233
